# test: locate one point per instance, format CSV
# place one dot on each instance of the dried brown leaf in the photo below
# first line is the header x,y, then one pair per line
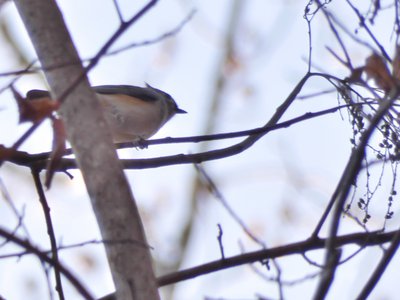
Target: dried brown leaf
x,y
58,149
376,69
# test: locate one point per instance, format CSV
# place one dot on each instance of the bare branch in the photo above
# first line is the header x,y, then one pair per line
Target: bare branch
x,y
383,264
341,192
40,160
42,256
364,238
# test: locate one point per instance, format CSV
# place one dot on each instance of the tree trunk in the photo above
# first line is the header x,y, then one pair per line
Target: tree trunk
x,y
110,194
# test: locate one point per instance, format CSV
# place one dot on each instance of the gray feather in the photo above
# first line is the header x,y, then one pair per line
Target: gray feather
x,y
133,91
147,94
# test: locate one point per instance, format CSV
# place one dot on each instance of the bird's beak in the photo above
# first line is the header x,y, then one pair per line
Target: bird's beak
x,y
180,111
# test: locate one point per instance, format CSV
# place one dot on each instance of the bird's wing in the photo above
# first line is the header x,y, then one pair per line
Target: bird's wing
x,y
37,94
145,94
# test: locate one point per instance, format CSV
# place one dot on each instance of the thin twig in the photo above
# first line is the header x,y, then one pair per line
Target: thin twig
x,y
372,36
338,38
82,244
7,197
42,256
119,12
168,34
117,34
216,192
148,42
50,230
219,238
214,189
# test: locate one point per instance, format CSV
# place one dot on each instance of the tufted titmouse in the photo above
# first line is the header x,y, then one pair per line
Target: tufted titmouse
x,y
133,113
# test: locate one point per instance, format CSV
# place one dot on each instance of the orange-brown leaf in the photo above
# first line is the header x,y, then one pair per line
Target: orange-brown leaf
x,y
34,110
58,149
377,69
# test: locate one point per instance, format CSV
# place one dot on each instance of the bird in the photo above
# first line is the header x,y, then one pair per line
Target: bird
x,y
133,113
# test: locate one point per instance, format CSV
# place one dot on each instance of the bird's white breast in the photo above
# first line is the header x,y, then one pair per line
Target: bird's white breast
x,y
131,119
